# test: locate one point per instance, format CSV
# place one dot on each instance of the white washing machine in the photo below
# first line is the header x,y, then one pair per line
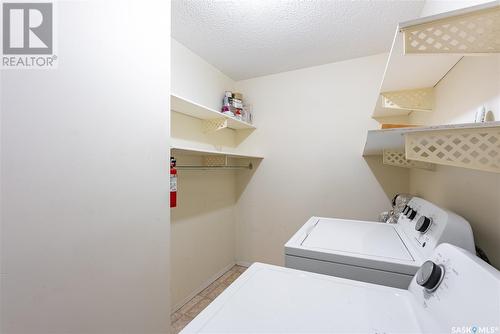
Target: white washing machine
x,y
387,254
454,292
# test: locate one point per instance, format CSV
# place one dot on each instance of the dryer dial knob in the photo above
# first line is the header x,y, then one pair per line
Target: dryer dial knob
x,y
423,224
412,213
429,275
405,210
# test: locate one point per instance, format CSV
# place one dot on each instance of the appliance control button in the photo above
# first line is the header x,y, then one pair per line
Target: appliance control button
x,y
423,224
429,275
412,213
406,210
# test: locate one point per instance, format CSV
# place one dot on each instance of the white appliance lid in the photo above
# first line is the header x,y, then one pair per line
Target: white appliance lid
x,y
357,237
270,299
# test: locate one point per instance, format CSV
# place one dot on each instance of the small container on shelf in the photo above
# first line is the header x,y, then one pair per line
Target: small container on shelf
x,y
247,115
233,106
226,104
226,110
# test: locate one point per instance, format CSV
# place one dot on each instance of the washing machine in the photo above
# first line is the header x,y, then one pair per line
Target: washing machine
x,y
387,254
453,292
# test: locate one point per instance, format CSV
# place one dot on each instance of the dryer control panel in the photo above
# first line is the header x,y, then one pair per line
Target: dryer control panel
x,y
459,291
425,226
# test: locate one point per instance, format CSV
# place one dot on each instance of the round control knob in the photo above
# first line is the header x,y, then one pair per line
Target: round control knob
x,y
406,209
412,213
429,275
423,224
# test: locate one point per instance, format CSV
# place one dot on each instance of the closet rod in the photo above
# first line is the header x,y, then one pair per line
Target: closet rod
x,y
198,167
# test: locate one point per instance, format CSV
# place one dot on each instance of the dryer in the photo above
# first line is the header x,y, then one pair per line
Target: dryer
x,y
387,254
271,299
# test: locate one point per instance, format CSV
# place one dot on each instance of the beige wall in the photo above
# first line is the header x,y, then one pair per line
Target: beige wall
x,y
202,229
473,194
203,223
311,128
84,154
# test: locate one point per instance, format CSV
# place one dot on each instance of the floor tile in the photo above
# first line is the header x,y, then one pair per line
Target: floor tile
x,y
179,324
240,269
210,288
225,276
217,291
175,316
190,304
198,307
192,308
232,277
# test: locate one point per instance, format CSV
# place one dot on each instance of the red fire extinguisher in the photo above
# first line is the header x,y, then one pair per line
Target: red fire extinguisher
x,y
173,183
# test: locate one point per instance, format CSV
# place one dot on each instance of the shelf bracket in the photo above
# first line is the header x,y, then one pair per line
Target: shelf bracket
x,y
215,124
411,99
475,32
475,148
397,158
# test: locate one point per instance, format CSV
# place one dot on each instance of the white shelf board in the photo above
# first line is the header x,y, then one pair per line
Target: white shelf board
x,y
393,139
405,72
449,14
413,71
193,109
187,150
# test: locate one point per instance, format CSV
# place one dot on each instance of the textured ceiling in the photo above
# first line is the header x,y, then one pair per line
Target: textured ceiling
x,y
250,38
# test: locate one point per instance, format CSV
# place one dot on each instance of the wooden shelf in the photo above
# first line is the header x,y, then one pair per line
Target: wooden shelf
x,y
422,67
193,109
394,139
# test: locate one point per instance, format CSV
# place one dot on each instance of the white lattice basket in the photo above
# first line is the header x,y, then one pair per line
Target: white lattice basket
x,y
476,32
215,160
476,148
412,99
215,124
397,158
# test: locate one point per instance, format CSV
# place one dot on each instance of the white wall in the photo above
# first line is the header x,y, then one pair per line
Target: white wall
x,y
84,193
311,128
195,79
203,222
474,82
473,194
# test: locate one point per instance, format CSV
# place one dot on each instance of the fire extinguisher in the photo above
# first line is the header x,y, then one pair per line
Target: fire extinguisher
x,y
173,183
